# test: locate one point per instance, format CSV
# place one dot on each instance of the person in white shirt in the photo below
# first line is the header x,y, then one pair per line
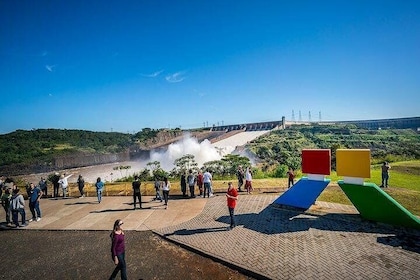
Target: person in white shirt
x,y
64,184
166,186
207,179
248,180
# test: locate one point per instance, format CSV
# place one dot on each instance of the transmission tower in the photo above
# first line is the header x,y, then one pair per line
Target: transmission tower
x,y
293,115
320,119
309,116
300,116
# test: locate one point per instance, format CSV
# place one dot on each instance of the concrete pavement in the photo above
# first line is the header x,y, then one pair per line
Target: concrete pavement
x,y
329,241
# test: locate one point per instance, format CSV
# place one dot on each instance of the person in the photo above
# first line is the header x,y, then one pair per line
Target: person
x,y
99,188
1,184
43,186
166,186
240,176
191,182
56,185
17,205
207,179
5,202
157,189
385,174
232,197
248,180
64,184
136,191
35,194
200,182
81,185
183,184
118,250
291,178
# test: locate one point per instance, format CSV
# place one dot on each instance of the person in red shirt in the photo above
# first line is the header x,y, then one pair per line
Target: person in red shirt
x,y
232,197
200,182
291,176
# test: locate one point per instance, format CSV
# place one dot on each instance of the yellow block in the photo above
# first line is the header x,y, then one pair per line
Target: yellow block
x,y
353,163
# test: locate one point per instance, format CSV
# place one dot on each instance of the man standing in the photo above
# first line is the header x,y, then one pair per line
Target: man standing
x,y
34,196
191,183
63,182
207,178
240,176
385,174
136,191
17,205
43,186
232,196
56,185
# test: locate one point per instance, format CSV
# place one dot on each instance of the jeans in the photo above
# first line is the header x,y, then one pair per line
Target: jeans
x,y
158,195
56,190
64,192
192,190
15,216
232,217
385,177
34,206
7,210
137,195
290,183
82,193
121,266
166,196
99,194
206,189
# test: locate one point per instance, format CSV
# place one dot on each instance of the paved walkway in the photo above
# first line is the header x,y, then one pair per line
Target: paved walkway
x,y
329,241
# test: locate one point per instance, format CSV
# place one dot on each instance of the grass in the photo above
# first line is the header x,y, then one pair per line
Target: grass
x,y
404,186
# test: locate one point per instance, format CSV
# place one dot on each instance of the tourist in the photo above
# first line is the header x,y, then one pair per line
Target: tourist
x,y
157,189
240,176
207,179
43,186
385,174
232,197
136,191
17,205
183,184
200,182
118,250
35,194
191,183
291,178
64,184
5,202
166,186
248,180
81,185
56,185
99,188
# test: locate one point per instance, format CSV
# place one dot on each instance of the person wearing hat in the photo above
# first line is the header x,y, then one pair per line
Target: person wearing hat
x,y
17,205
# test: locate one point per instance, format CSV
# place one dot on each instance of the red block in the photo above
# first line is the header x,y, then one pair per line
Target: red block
x,y
316,161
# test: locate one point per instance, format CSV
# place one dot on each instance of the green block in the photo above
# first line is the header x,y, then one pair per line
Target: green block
x,y
376,205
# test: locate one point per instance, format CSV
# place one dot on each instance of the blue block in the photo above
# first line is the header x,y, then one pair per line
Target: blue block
x,y
303,194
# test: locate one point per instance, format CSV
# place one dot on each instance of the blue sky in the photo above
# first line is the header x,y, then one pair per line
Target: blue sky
x,y
127,65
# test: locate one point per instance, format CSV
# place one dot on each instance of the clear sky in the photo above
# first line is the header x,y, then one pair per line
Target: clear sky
x,y
127,65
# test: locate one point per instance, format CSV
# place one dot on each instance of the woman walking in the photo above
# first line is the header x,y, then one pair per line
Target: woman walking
x,y
99,188
166,186
118,250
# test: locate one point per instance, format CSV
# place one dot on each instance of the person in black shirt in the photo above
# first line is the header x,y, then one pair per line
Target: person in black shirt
x,y
136,191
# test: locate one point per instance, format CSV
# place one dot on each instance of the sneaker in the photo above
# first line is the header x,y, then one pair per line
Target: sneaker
x,y
31,220
23,225
38,219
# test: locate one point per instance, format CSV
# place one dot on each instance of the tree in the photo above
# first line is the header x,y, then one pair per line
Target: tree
x,y
185,163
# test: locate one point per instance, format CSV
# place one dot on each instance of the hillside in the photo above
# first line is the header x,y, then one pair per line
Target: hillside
x,y
285,146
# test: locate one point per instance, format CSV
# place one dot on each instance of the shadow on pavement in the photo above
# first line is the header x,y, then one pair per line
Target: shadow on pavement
x,y
195,231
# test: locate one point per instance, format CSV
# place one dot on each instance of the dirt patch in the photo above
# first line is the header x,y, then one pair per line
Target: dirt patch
x,y
36,254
